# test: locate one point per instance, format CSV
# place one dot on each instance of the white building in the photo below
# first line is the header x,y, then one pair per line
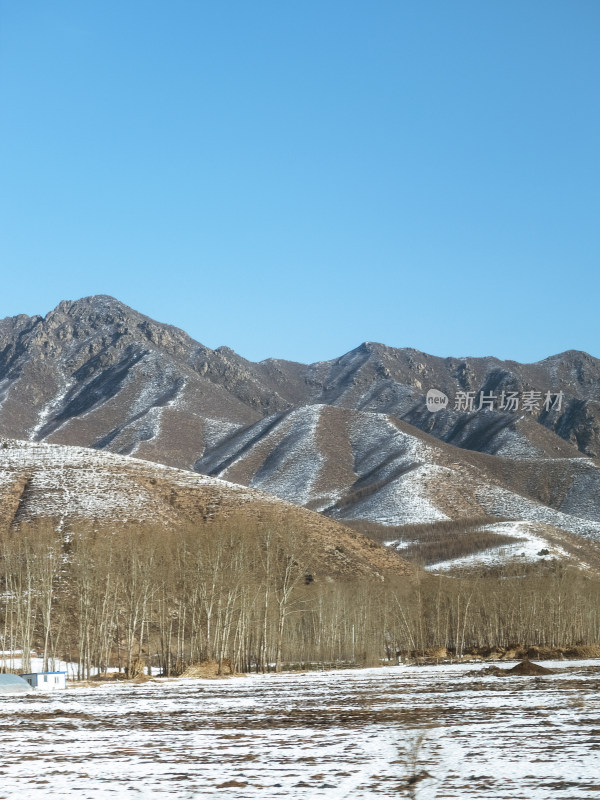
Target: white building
x,y
47,681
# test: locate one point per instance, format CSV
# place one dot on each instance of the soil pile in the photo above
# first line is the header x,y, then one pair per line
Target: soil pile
x,y
525,667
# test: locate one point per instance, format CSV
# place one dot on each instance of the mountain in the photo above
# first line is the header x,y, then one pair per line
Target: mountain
x,y
352,438
96,373
75,486
397,483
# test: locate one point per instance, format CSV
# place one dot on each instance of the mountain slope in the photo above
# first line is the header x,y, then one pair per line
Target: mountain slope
x,y
72,486
362,467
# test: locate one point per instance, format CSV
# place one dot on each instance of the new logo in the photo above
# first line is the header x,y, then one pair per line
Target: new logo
x,y
436,400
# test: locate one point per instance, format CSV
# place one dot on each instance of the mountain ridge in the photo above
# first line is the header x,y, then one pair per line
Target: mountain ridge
x,y
84,351
350,437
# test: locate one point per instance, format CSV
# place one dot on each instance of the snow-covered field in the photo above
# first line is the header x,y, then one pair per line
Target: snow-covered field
x,y
348,734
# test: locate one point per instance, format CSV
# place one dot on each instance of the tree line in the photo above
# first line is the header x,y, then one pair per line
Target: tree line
x,y
249,593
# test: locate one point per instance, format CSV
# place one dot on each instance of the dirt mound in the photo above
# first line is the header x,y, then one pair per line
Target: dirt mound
x,y
525,667
430,652
141,678
542,653
520,653
109,676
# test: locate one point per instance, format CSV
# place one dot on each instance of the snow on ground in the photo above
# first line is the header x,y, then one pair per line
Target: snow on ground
x,y
82,482
383,453
293,465
401,544
527,547
503,503
402,501
352,734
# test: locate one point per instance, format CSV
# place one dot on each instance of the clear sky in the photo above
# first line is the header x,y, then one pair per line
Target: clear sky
x,y
293,178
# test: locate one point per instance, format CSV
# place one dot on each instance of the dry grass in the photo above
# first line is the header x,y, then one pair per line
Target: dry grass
x,y
439,541
583,651
208,669
152,497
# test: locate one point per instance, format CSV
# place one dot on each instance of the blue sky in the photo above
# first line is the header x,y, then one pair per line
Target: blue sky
x,y
291,179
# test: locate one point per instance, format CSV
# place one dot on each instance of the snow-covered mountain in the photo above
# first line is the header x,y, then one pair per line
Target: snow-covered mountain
x,y
96,373
352,465
74,486
352,437
381,474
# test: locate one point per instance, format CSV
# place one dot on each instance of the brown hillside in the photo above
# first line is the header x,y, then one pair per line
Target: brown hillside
x,y
73,485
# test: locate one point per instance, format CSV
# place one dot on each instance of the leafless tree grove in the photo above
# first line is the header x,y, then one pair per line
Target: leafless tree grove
x,y
250,594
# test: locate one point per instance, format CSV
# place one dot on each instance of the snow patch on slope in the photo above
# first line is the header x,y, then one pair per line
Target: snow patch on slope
x,y
292,467
5,386
236,448
160,388
216,430
511,443
526,548
49,409
503,503
76,481
398,461
401,502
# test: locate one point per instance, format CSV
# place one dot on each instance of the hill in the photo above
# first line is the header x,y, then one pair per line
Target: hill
x,y
75,487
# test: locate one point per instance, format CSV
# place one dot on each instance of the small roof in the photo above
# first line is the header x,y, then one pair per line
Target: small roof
x,y
13,684
55,672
